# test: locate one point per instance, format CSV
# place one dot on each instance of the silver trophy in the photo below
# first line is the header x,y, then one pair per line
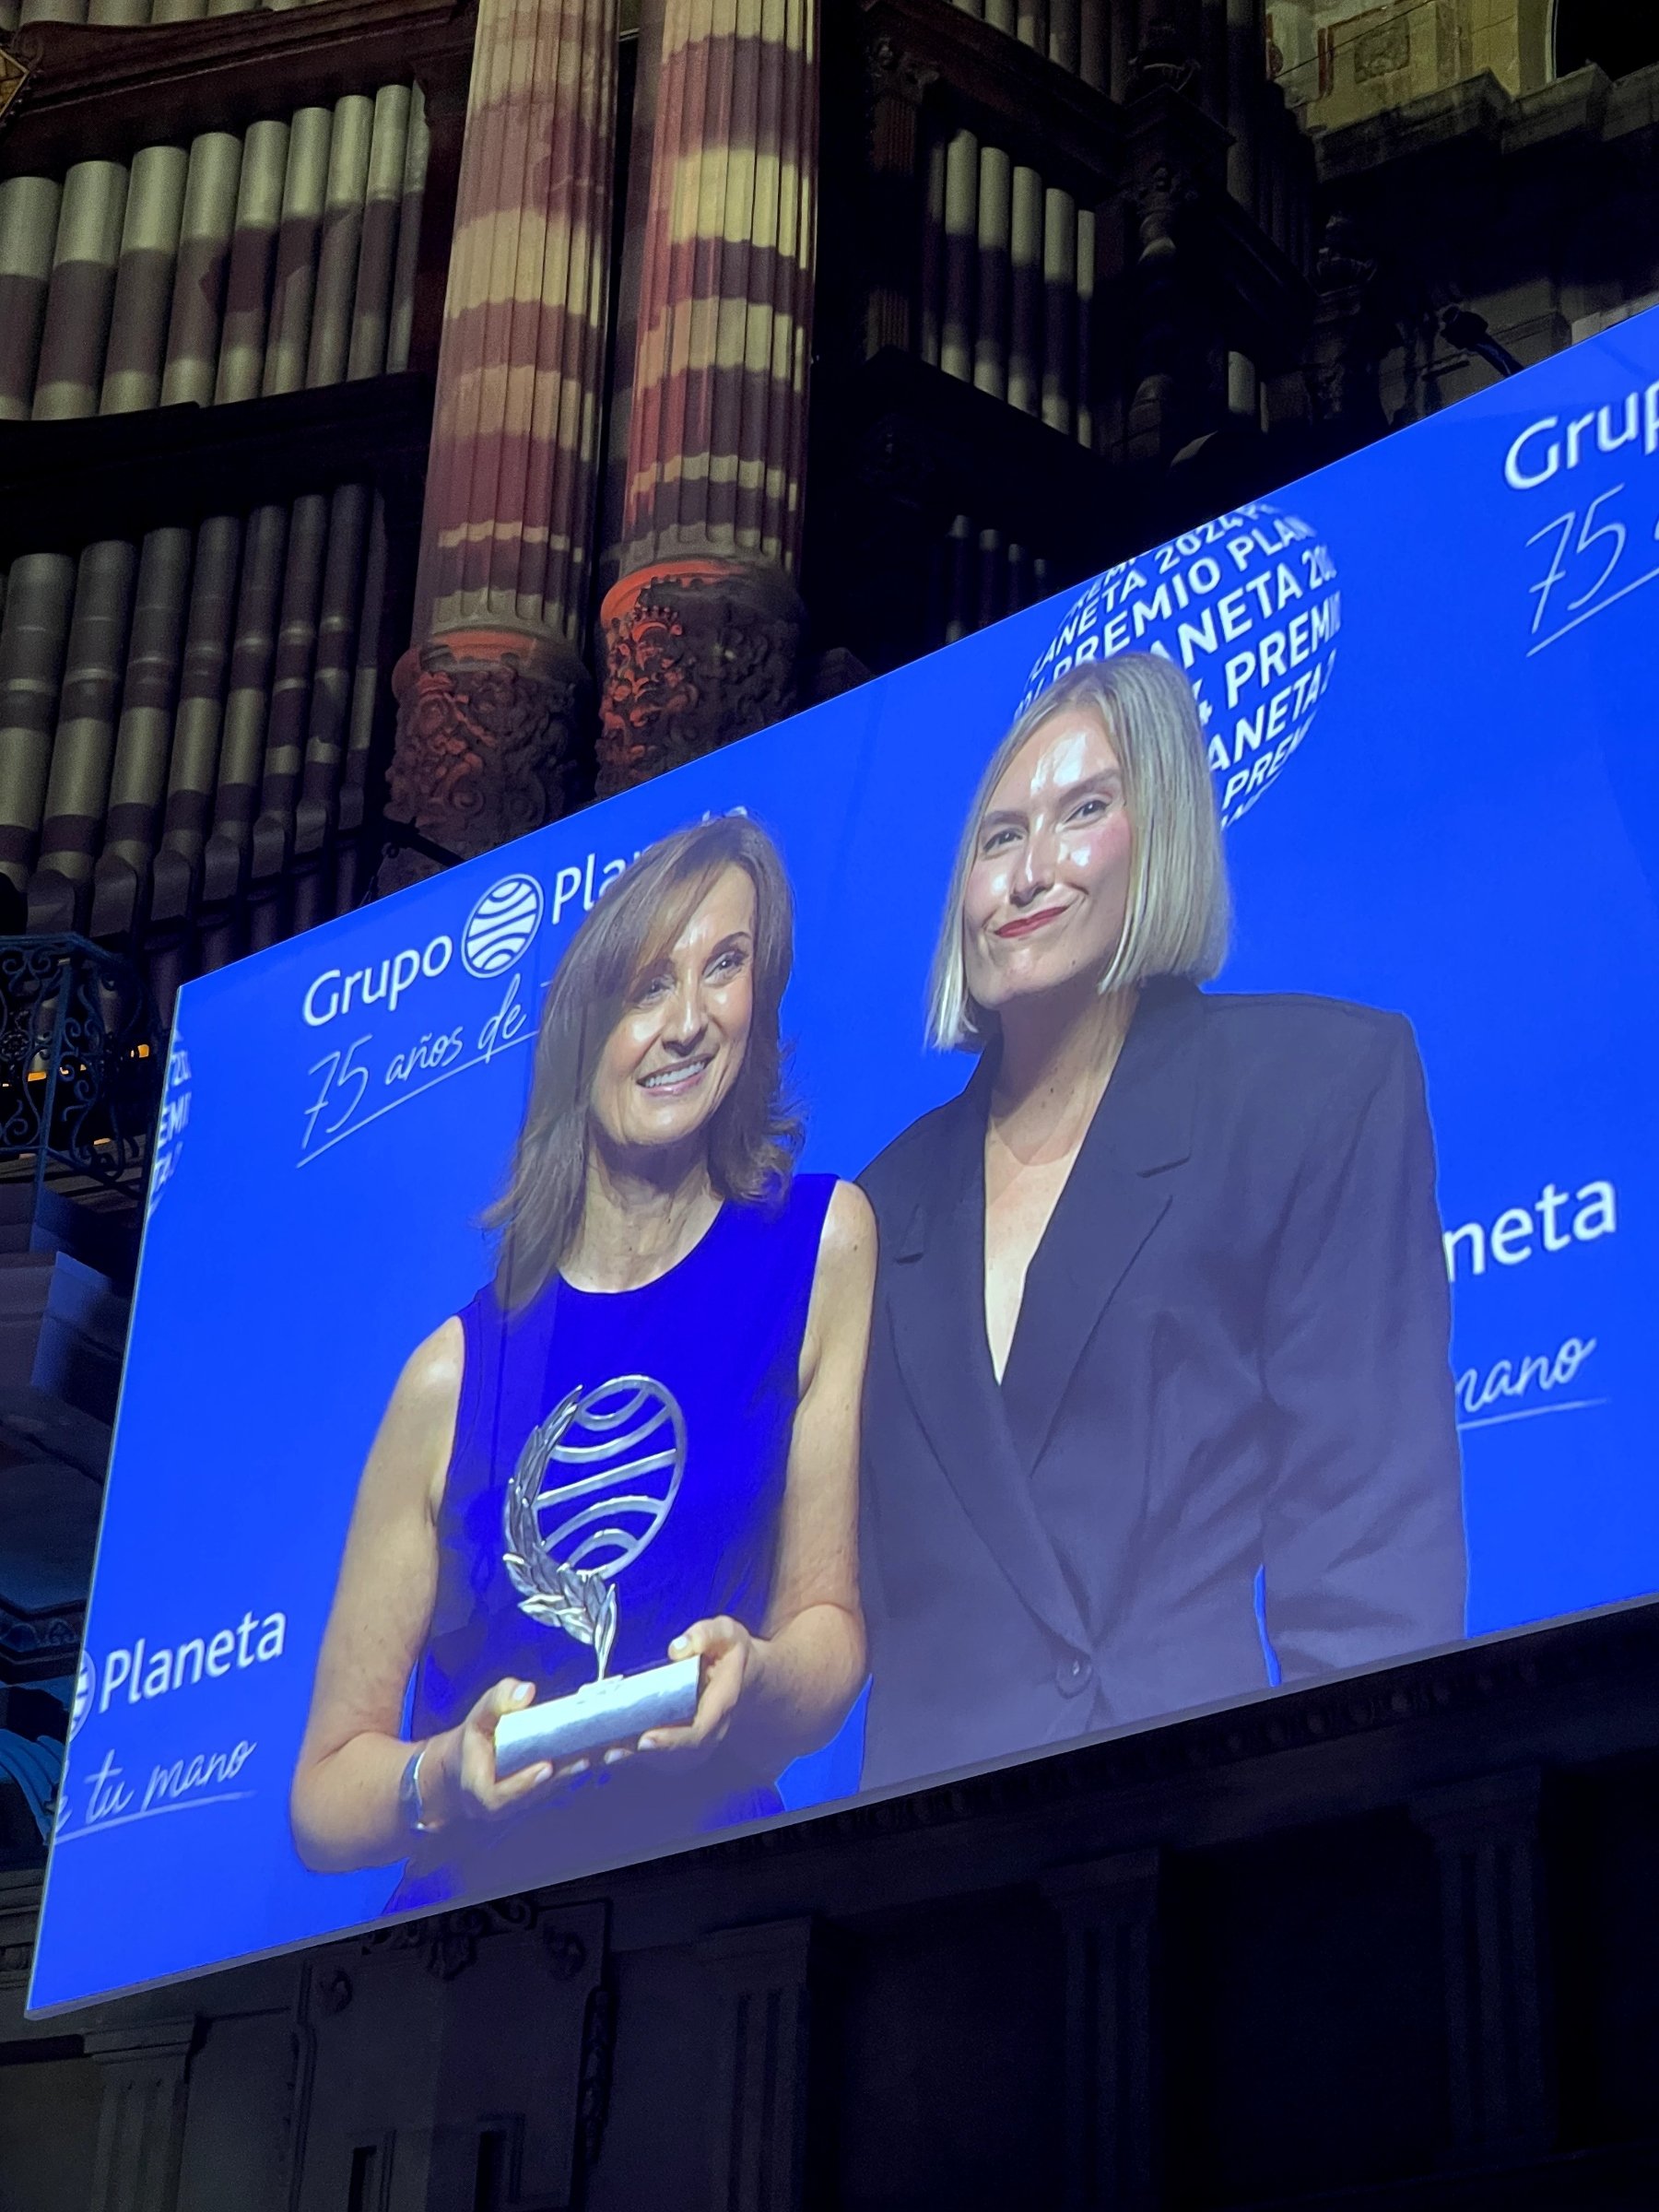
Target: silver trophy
x,y
625,1445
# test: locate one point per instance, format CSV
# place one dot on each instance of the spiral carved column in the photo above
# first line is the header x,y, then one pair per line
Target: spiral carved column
x,y
701,631
491,696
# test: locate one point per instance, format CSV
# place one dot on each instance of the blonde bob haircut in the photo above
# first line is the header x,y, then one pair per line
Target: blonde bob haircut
x,y
1179,910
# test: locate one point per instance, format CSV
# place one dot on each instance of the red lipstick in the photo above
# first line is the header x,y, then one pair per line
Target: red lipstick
x,y
1024,925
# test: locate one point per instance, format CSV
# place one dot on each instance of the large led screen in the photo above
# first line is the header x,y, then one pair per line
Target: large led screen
x,y
1181,1061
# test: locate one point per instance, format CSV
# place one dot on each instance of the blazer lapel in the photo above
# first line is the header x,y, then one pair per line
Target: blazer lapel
x,y
1113,1203
936,1303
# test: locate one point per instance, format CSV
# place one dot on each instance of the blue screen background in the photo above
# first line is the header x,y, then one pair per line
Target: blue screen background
x,y
1469,833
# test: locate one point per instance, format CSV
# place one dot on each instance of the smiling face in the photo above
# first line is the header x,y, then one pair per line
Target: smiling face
x,y
1047,892
679,1046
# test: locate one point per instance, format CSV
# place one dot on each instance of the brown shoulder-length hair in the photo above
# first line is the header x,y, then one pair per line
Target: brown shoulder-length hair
x,y
753,1136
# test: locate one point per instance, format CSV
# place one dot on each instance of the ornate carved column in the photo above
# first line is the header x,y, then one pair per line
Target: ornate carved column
x,y
895,86
701,633
1350,335
1175,160
490,695
1107,1910
764,1974
1485,1836
141,2123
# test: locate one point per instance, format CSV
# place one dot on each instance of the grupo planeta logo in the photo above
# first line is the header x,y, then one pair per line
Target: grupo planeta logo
x,y
86,1689
1248,608
500,929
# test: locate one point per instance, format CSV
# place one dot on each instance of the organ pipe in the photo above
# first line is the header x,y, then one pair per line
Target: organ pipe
x,y
247,709
39,596
294,274
1060,291
1083,381
1025,353
252,254
340,243
960,256
143,734
402,317
991,320
82,290
51,11
207,223
144,281
84,743
377,258
199,722
28,221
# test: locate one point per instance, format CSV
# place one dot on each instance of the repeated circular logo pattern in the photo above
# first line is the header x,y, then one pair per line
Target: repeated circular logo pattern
x,y
501,925
1249,607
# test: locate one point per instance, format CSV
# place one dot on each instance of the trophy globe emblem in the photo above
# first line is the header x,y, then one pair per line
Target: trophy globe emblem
x,y
594,1485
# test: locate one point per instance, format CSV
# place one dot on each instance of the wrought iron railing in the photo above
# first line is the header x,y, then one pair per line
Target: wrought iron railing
x,y
82,1057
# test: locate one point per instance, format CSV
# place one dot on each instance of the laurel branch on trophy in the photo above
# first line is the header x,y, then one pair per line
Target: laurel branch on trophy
x,y
581,1601
618,1436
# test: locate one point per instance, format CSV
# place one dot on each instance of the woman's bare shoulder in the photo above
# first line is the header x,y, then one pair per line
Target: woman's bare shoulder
x,y
412,1451
847,1245
431,1380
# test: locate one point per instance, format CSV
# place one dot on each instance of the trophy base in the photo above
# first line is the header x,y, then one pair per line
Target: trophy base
x,y
616,1712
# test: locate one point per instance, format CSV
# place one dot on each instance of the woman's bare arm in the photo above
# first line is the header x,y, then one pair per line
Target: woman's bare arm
x,y
787,1691
344,1802
345,1795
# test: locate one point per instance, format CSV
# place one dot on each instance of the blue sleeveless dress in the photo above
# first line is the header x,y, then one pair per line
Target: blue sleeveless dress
x,y
718,1338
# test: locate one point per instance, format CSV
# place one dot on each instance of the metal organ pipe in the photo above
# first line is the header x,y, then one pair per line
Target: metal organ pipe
x,y
28,221
172,711
144,281
198,723
206,225
252,254
1007,289
51,11
142,736
377,256
39,592
82,290
294,274
84,741
401,321
341,239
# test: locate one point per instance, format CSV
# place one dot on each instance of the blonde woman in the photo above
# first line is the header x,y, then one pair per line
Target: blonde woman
x,y
1158,1397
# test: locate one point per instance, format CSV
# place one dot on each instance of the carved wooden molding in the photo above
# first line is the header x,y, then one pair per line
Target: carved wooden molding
x,y
1474,1682
63,483
1041,113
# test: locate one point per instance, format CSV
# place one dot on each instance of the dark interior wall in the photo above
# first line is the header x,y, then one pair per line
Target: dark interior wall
x,y
1618,35
1304,2013
1607,1951
49,2111
943,2070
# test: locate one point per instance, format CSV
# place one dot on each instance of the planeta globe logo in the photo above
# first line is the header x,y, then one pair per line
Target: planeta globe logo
x,y
86,1689
501,925
1248,608
620,1449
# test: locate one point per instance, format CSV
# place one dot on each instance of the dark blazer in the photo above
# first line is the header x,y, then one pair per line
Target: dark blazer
x,y
1231,1360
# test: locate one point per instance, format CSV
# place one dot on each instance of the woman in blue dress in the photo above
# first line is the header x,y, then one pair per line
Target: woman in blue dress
x,y
662,1269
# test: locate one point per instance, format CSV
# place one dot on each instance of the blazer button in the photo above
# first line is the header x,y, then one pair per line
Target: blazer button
x,y
1073,1676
